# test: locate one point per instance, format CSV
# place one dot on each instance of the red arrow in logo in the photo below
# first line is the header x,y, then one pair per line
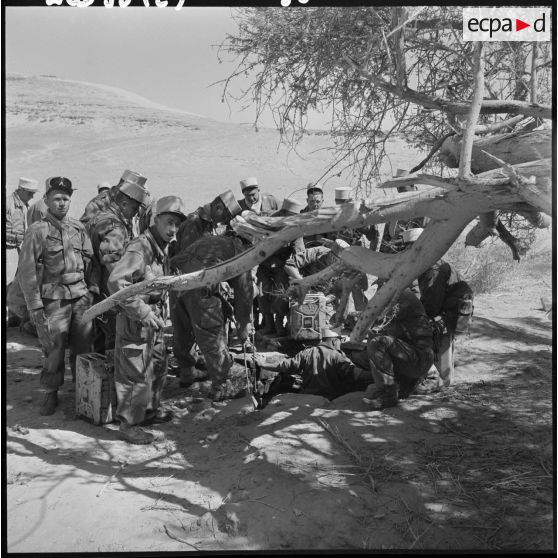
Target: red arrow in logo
x,y
519,25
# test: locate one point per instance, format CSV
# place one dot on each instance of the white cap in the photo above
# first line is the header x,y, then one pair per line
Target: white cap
x,y
104,186
291,205
314,186
343,193
410,235
250,182
29,184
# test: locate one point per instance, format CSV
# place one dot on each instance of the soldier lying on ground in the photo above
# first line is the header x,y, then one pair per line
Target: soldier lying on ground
x,y
321,370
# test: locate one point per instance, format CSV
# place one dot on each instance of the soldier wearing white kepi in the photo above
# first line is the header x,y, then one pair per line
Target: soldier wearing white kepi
x,y
17,204
254,200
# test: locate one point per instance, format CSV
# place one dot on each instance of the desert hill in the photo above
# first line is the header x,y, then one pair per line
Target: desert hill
x,y
91,132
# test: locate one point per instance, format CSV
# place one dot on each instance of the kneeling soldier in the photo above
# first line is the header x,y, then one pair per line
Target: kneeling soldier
x,y
140,356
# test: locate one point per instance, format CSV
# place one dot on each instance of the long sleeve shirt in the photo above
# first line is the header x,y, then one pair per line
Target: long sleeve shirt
x,y
36,211
321,370
110,232
266,205
16,220
53,261
143,258
196,225
213,250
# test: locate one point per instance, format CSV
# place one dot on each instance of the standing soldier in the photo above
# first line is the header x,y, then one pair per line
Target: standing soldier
x,y
140,354
200,223
53,266
204,315
110,231
254,200
17,204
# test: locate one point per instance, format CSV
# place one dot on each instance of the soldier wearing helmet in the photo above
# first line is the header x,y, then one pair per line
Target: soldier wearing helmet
x,y
140,356
110,231
131,183
54,259
202,222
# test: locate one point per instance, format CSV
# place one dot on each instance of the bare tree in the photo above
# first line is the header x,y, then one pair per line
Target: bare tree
x,y
382,71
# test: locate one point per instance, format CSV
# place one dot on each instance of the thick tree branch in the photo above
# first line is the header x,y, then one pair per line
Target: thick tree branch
x,y
446,105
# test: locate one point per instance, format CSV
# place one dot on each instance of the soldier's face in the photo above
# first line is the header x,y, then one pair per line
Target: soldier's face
x,y
252,196
314,201
58,203
219,213
129,208
167,225
25,195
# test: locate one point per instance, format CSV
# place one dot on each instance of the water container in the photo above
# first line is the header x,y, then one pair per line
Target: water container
x,y
95,392
308,319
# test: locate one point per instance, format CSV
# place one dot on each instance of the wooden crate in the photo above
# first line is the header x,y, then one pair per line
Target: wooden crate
x,y
95,392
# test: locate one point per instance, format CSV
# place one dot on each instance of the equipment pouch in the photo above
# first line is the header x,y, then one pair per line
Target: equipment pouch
x,y
464,316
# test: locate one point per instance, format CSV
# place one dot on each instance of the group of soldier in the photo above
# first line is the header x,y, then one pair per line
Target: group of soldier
x,y
57,267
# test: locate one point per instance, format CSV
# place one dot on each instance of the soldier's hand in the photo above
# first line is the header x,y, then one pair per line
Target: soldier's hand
x,y
152,321
38,316
245,332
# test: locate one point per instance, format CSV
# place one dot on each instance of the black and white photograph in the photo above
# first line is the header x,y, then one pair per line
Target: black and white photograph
x,y
279,277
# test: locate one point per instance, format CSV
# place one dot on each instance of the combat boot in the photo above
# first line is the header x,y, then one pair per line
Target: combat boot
x,y
134,434
381,397
49,404
231,388
199,389
188,376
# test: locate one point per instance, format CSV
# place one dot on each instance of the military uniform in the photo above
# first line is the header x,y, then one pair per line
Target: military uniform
x,y
53,266
140,356
98,204
110,232
201,310
403,349
321,370
16,225
266,205
433,286
36,211
198,224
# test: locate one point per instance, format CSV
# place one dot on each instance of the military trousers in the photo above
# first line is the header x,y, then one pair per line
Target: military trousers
x,y
12,258
183,339
205,316
62,328
407,363
140,369
445,359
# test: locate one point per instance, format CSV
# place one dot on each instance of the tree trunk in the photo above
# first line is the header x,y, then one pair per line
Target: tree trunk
x,y
513,148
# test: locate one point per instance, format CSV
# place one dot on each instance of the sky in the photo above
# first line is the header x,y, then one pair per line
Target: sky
x,y
165,55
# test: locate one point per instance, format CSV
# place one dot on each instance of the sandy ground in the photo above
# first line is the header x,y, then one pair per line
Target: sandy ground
x,y
470,468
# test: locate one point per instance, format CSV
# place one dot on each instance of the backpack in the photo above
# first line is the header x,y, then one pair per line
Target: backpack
x,y
458,307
